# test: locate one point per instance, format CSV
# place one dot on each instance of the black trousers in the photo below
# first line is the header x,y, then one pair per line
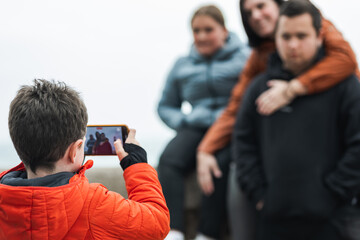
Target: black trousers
x,y
176,162
344,224
295,230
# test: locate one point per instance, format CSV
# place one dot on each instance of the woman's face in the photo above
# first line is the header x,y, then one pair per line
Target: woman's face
x,y
102,136
209,35
262,16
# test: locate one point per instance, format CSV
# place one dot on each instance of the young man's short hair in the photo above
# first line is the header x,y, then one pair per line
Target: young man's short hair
x,y
44,119
293,8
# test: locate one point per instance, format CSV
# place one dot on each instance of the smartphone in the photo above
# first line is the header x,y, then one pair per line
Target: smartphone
x,y
100,138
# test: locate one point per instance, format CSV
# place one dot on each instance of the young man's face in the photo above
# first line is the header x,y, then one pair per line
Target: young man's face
x,y
297,42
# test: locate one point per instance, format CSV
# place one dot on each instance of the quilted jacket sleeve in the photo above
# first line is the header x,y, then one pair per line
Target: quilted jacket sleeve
x,y
169,107
143,216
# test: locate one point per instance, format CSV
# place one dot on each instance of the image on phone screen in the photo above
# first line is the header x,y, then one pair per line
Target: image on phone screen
x,y
100,139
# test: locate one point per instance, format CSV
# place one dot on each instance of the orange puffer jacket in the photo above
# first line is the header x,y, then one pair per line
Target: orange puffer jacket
x,y
80,210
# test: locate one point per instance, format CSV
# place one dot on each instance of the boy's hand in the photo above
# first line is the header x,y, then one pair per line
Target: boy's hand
x,y
119,147
131,153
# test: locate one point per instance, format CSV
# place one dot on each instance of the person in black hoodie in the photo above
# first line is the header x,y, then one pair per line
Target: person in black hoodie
x,y
301,165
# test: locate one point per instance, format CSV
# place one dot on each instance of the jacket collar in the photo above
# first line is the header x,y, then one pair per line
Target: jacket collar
x,y
232,44
81,171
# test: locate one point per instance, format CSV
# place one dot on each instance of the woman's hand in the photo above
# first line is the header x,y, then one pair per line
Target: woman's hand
x,y
119,147
207,167
274,98
280,94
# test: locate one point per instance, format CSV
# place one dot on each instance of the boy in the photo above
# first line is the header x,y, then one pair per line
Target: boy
x,y
48,196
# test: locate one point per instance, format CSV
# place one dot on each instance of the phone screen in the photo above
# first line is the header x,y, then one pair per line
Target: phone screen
x,y
100,138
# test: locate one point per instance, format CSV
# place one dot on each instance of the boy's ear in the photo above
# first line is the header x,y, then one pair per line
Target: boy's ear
x,y
74,148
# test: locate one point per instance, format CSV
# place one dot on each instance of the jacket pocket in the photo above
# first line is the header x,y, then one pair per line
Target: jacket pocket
x,y
294,198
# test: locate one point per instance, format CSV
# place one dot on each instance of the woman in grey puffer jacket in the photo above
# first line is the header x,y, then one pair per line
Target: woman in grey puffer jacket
x,y
204,79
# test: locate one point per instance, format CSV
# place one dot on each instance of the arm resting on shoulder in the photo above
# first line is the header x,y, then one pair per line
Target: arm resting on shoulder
x,y
169,107
339,62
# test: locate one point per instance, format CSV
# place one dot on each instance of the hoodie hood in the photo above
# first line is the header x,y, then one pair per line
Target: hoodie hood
x,y
232,45
276,70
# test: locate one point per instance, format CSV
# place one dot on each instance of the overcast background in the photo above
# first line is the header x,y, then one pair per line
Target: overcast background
x,y
116,53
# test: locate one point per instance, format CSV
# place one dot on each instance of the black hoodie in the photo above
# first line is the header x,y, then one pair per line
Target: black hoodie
x,y
303,160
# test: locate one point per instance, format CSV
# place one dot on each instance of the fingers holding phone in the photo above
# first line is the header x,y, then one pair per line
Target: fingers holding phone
x,y
131,137
120,152
130,140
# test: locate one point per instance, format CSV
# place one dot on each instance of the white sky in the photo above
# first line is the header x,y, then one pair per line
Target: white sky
x,y
116,53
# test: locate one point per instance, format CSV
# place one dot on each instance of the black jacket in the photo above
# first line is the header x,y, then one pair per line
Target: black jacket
x,y
303,160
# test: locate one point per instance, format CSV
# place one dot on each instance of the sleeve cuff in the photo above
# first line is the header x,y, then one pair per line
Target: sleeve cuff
x,y
306,84
136,155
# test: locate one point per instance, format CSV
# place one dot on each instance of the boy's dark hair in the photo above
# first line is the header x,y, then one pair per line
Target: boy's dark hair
x,y
293,8
254,39
44,119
